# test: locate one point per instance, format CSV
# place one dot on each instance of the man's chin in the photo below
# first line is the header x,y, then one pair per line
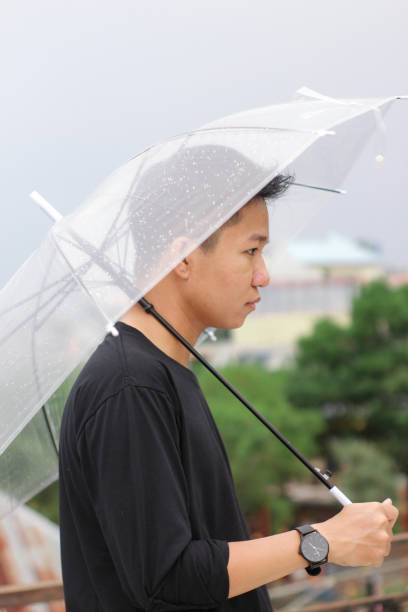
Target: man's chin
x,y
239,321
228,322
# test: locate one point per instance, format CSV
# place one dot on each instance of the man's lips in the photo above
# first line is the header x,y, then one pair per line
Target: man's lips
x,y
252,304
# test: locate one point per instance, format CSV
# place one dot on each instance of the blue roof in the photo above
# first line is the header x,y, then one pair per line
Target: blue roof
x,y
335,250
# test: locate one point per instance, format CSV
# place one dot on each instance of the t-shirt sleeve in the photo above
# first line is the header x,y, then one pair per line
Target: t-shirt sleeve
x,y
131,459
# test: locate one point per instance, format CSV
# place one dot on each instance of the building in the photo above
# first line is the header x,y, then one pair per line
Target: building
x,y
30,554
311,279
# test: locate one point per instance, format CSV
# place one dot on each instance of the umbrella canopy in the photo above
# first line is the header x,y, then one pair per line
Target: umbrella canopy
x,y
142,221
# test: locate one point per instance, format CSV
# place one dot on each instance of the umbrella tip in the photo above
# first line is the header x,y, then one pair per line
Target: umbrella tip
x,y
210,333
111,329
45,206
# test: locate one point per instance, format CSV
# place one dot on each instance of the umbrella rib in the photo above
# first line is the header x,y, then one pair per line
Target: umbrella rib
x,y
108,236
28,318
34,326
55,304
329,189
125,201
126,246
124,282
64,279
121,231
97,256
122,256
92,252
263,129
50,431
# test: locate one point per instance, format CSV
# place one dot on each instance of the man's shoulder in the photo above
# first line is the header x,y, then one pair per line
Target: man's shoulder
x,y
120,361
115,365
130,359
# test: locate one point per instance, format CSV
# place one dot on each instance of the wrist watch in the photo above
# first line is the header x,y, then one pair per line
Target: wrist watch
x,y
313,547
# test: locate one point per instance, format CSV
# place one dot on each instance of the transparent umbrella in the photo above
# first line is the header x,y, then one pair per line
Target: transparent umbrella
x,y
143,219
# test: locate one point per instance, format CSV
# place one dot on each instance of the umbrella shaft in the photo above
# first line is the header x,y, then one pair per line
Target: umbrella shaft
x,y
149,308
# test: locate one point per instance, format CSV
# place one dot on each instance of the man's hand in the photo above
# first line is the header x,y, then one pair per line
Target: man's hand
x,y
360,534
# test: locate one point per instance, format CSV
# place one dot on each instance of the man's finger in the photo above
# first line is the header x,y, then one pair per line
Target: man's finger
x,y
391,511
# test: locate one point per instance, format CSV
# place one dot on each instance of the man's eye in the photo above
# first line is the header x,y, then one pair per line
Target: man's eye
x,y
252,251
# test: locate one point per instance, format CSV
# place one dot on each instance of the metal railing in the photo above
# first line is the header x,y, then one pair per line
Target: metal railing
x,y
52,591
21,595
389,602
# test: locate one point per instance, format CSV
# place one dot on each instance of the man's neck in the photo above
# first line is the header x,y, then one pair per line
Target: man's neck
x,y
159,335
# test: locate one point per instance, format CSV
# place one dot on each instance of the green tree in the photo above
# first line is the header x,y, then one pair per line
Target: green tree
x,y
260,464
46,502
355,476
357,376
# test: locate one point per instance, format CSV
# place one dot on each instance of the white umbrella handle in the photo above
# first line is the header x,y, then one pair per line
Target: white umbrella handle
x,y
339,495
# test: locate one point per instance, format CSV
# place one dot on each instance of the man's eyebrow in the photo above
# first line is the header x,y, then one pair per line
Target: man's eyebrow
x,y
259,238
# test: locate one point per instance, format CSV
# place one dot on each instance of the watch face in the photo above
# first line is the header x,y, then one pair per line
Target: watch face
x,y
314,547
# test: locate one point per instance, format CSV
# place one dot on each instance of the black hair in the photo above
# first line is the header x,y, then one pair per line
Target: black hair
x,y
272,190
276,187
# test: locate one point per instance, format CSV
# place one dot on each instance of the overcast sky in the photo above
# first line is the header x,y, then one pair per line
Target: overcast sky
x,y
87,84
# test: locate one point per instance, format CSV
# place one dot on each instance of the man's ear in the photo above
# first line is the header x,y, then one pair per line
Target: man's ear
x,y
179,246
182,270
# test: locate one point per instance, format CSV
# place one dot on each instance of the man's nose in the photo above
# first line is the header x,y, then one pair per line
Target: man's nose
x,y
261,275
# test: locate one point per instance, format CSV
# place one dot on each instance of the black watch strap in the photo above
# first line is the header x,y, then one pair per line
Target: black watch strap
x,y
313,571
305,529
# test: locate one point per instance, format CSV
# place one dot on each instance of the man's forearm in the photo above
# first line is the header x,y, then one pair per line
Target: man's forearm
x,y
256,562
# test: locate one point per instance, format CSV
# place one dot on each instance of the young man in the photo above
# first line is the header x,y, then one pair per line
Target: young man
x,y
149,515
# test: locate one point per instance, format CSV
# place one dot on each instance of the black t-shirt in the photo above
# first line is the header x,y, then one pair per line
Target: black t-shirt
x,y
147,501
